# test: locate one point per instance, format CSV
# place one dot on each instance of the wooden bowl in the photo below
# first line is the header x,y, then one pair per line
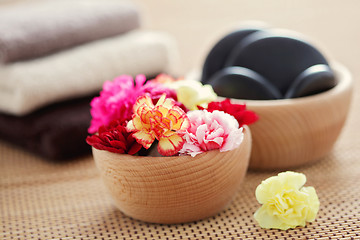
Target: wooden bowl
x,y
174,189
293,132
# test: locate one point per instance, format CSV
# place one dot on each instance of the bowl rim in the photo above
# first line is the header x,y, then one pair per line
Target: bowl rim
x,y
344,82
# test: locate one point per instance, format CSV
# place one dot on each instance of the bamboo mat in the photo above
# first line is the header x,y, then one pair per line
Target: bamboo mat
x,y
44,200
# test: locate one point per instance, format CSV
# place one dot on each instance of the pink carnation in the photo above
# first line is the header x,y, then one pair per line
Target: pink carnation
x,y
211,130
117,98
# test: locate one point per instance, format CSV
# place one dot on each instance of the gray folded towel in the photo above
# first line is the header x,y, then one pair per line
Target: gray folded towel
x,y
34,29
28,85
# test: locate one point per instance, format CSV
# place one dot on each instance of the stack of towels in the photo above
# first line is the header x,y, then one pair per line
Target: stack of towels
x,y
55,57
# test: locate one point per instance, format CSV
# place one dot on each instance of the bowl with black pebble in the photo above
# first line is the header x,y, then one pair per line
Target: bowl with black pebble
x,y
302,100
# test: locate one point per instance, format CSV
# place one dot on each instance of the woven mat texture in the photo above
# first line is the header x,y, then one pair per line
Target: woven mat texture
x,y
44,200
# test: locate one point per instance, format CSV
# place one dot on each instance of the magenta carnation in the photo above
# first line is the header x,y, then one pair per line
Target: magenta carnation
x,y
211,130
117,98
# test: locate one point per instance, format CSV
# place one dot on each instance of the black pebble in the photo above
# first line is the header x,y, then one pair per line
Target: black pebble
x,y
239,82
315,79
216,58
279,59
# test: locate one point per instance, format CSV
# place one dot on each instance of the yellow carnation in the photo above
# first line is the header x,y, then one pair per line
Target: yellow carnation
x,y
192,93
286,203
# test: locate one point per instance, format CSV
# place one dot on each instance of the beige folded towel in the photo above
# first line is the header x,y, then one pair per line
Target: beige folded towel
x,y
26,86
38,28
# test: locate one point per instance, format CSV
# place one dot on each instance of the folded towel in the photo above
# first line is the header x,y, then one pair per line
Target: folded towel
x,y
38,28
57,131
80,71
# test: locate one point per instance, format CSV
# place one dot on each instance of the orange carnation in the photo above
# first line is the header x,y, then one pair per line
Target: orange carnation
x,y
165,122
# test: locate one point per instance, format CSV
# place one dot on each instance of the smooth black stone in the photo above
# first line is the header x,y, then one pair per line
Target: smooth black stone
x,y
315,79
242,83
216,58
279,59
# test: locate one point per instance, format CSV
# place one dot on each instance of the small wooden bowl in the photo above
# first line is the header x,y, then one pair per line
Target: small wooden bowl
x,y
174,189
293,132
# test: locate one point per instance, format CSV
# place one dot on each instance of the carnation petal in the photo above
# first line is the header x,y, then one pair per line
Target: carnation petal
x,y
313,202
161,100
165,102
201,133
140,80
137,123
169,103
110,149
190,149
170,144
143,101
130,127
233,140
160,111
292,180
94,139
188,96
207,94
185,123
179,118
212,144
218,141
118,144
144,138
214,124
216,133
226,120
135,147
268,221
267,189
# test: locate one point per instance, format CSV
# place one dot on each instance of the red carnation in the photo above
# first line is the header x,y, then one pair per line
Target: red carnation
x,y
114,138
243,116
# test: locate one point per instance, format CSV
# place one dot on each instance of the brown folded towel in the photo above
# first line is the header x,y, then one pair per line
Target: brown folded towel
x,y
35,29
57,131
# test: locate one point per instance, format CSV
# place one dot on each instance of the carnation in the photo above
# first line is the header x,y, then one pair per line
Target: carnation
x,y
114,138
239,111
211,130
165,122
117,98
192,93
286,203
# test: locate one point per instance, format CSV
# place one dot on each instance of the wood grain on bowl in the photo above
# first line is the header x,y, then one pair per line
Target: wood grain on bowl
x,y
174,189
